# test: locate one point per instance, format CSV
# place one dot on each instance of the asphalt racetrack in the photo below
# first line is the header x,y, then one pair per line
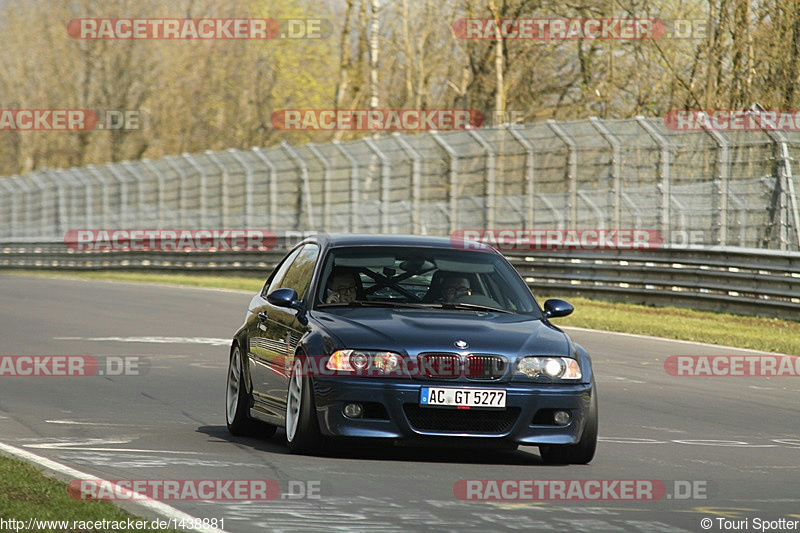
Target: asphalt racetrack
x,y
735,440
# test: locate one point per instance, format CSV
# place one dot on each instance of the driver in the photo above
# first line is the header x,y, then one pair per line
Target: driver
x,y
343,287
455,286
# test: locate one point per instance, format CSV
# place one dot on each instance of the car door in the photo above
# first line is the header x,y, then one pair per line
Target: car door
x,y
279,331
261,354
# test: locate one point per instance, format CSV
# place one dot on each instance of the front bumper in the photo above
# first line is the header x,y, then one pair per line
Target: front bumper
x,y
400,421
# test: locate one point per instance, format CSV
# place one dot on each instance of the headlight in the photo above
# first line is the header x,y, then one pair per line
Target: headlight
x,y
553,367
365,361
359,360
386,362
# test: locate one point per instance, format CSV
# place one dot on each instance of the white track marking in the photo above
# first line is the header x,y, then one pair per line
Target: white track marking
x,y
786,443
78,423
154,340
618,378
160,508
127,450
650,337
55,444
82,446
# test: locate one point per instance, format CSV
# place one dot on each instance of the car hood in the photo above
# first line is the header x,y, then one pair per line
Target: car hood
x,y
413,331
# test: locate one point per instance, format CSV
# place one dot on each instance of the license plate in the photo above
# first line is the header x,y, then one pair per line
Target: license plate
x,y
463,398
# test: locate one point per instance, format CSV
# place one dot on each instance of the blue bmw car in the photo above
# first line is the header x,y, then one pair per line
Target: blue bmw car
x,y
412,339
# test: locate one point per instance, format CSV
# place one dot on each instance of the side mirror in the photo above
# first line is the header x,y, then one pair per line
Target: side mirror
x,y
285,298
556,308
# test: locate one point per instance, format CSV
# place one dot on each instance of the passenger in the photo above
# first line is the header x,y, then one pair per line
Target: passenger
x,y
342,287
455,286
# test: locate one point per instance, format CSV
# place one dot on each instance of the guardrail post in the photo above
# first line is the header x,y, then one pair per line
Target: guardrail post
x,y
788,188
453,175
386,173
13,204
57,207
65,212
354,186
203,188
616,173
416,182
572,170
63,216
183,182
27,211
69,215
88,190
106,201
123,192
273,187
224,201
326,186
721,177
128,166
248,187
306,186
530,182
786,185
663,176
491,180
159,191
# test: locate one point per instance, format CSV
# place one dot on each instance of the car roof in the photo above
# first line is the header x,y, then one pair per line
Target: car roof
x,y
331,240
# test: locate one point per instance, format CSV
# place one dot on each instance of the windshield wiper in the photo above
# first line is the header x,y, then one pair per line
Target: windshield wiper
x,y
473,307
376,303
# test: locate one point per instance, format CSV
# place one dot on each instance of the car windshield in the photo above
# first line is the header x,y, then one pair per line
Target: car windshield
x,y
422,277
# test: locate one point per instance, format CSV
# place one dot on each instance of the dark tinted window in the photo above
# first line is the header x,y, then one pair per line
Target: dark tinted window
x,y
426,276
277,278
298,277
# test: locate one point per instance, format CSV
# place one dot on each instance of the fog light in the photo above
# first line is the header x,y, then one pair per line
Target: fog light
x,y
562,418
354,410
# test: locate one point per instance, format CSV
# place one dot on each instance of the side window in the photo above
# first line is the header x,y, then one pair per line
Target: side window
x,y
298,277
275,281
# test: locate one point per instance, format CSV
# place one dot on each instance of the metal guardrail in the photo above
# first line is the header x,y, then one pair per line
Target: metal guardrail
x,y
726,188
748,282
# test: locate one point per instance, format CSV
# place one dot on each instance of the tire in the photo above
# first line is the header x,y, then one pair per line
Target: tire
x,y
581,453
237,410
302,427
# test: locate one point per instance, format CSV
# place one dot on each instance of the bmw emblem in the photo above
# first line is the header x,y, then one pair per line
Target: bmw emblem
x,y
461,345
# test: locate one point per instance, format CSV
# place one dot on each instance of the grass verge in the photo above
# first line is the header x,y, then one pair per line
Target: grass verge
x,y
25,493
767,334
